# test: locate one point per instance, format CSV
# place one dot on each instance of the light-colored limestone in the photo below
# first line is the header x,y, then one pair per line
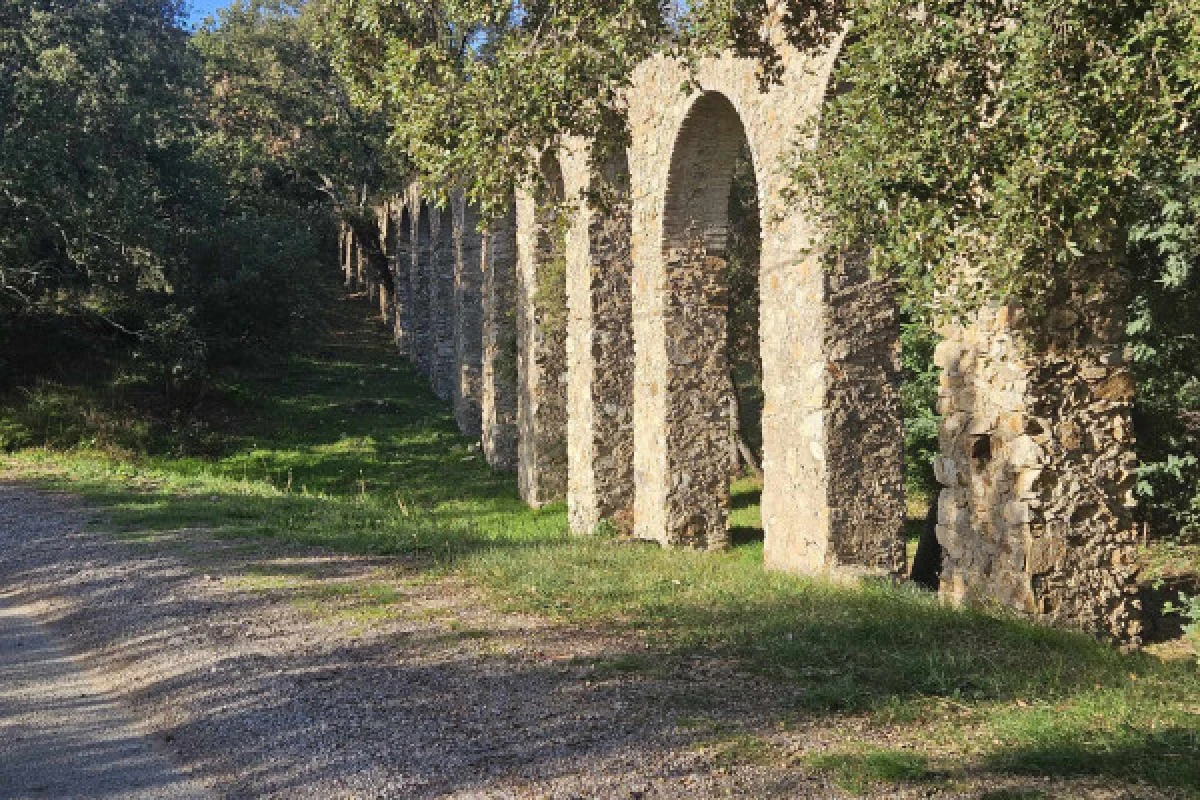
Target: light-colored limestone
x,y
832,445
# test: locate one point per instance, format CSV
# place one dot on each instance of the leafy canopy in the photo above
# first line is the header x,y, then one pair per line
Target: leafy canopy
x,y
96,116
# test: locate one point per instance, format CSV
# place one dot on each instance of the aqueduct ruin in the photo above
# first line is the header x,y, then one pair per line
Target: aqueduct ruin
x,y
583,340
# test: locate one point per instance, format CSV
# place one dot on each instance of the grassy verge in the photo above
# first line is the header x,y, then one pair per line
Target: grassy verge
x,y
344,447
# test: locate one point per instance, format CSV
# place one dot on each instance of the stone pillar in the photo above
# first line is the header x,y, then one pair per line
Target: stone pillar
x,y
468,318
441,307
599,345
399,255
541,341
386,310
387,296
499,369
1037,463
697,388
864,452
832,496
352,274
422,347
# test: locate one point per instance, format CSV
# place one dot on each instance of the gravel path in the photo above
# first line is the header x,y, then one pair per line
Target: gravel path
x,y
62,734
267,675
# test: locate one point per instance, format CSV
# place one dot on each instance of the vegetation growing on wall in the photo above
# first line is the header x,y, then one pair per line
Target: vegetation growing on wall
x,y
550,293
1023,140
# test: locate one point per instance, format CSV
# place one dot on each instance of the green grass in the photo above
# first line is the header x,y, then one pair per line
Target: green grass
x,y
858,770
344,447
743,749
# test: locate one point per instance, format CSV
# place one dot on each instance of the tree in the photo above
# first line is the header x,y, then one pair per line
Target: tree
x,y
96,117
283,127
1032,141
472,88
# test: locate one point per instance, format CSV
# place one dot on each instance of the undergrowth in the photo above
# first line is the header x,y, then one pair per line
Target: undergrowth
x,y
344,447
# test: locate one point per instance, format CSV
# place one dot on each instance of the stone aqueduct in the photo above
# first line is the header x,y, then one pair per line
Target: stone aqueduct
x,y
623,409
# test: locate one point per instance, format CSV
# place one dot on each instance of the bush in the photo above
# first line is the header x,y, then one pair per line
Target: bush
x,y
918,399
256,281
171,355
1189,609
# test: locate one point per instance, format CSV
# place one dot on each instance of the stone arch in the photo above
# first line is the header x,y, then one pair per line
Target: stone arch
x,y
832,444
701,174
599,339
698,389
541,335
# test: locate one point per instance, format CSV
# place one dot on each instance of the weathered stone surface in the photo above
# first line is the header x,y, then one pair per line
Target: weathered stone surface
x,y
831,432
419,282
541,339
468,318
498,395
441,304
401,259
1037,513
599,342
345,250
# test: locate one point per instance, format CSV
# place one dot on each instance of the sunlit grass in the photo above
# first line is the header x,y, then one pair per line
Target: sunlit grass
x,y
345,448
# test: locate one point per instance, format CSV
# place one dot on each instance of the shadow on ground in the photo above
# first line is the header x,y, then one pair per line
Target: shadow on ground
x,y
349,452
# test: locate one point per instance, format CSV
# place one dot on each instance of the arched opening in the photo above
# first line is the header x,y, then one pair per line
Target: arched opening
x,y
542,326
713,394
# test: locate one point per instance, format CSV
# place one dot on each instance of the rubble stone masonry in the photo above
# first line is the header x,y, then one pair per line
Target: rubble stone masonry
x,y
1037,464
583,341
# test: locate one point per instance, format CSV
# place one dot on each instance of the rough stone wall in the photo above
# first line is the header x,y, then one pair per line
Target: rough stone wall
x,y
353,275
541,344
599,343
360,268
441,305
387,311
863,400
387,297
399,255
498,395
1037,465
468,318
698,391
419,285
806,513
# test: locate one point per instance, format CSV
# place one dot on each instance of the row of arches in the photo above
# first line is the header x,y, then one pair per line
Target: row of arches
x,y
640,326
